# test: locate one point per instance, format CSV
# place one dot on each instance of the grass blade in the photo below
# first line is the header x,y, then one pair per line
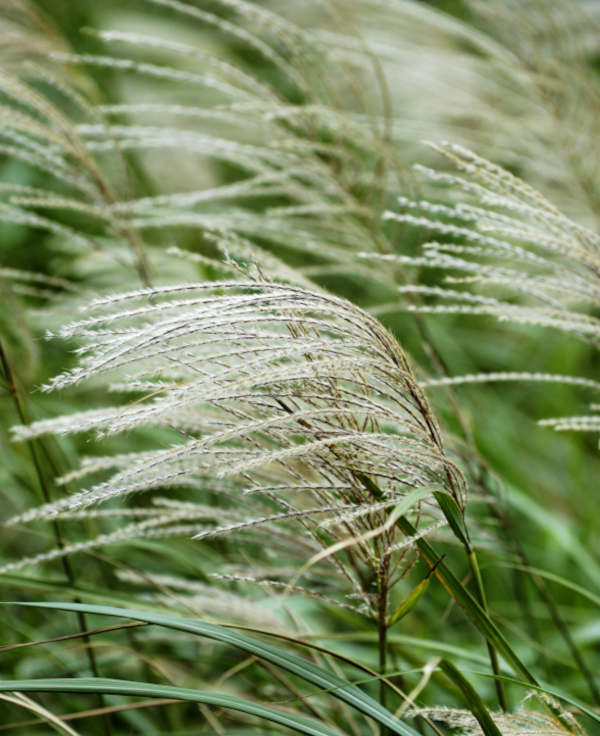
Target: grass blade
x,y
466,601
145,689
339,688
472,699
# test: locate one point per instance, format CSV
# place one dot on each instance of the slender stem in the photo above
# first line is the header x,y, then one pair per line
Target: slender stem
x,y
286,682
564,631
383,590
376,491
553,609
466,601
383,583
382,643
471,554
68,637
481,598
37,463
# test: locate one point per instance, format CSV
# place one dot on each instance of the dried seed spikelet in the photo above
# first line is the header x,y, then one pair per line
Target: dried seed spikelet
x,y
295,404
525,722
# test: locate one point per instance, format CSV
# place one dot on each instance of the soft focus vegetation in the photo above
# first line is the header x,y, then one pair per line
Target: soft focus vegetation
x,y
299,330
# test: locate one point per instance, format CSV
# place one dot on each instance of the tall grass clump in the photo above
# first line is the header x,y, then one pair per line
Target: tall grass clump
x,y
272,366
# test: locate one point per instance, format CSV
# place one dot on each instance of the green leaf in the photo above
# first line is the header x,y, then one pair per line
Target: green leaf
x,y
472,699
145,689
466,601
454,516
339,688
407,604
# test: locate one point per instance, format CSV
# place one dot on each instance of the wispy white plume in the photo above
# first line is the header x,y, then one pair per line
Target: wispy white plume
x,y
272,390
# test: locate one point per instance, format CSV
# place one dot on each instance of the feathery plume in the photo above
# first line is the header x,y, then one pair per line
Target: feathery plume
x,y
295,407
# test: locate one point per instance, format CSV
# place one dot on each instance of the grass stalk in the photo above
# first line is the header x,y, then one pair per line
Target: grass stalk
x,y
482,600
407,528
60,542
382,630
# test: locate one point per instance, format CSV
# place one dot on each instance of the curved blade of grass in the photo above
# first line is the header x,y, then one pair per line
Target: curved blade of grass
x,y
466,601
410,601
454,516
55,723
145,689
472,698
339,688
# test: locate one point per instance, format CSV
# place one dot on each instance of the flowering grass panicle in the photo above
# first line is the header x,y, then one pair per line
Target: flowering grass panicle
x,y
294,409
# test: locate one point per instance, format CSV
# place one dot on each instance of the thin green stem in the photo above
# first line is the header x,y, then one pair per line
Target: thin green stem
x,y
480,592
482,600
66,565
553,609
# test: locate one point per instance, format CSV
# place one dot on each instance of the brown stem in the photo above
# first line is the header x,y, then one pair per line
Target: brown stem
x,y
382,630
